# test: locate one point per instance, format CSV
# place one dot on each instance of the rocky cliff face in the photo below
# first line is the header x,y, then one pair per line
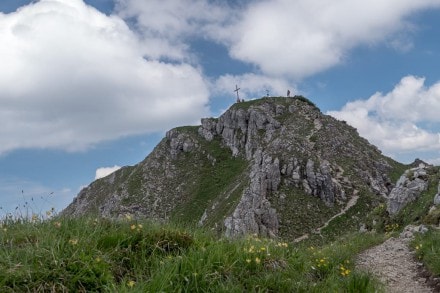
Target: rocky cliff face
x,y
408,188
273,166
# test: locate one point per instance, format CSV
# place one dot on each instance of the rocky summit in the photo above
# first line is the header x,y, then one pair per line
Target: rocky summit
x,y
274,166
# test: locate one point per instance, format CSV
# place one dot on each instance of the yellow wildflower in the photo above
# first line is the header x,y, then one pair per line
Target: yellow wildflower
x,y
344,271
132,227
73,241
248,260
257,260
131,283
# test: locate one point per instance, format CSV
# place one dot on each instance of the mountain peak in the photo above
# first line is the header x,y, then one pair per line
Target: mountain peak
x,y
274,166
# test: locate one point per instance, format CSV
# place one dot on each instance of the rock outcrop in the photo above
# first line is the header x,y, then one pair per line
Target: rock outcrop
x,y
409,187
437,196
252,170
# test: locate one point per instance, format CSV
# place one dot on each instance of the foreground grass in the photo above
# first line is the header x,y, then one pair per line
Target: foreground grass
x,y
96,255
427,248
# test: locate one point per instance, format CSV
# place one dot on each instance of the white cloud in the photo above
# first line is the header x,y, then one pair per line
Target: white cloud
x,y
434,161
400,120
303,37
71,77
293,39
105,171
170,23
172,19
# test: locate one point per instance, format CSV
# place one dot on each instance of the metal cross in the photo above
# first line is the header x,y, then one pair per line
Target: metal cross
x,y
236,90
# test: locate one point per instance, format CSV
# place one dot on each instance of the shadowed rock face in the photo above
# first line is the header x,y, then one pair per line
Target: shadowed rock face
x,y
236,173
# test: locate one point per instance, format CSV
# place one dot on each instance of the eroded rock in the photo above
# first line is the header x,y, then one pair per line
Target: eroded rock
x,y
408,188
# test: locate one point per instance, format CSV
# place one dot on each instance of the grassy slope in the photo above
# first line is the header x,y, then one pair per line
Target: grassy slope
x,y
121,256
211,182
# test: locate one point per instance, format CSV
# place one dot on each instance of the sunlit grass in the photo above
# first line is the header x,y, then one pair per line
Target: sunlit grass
x,y
427,249
83,255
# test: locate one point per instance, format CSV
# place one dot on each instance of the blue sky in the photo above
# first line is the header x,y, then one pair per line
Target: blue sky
x,y
88,86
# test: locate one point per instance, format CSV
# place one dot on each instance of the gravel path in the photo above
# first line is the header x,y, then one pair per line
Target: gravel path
x,y
393,263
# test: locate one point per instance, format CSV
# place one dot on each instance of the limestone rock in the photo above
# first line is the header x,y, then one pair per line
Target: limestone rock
x,y
409,231
208,128
408,188
437,199
179,142
437,196
254,213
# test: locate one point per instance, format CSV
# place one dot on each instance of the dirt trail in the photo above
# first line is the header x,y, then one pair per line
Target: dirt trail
x,y
353,200
393,263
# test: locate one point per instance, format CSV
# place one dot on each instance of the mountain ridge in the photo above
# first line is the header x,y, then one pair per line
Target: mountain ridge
x,y
274,166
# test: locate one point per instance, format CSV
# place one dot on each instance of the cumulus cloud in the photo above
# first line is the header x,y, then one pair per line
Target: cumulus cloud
x,y
435,161
105,171
303,37
402,120
71,77
170,23
173,19
285,38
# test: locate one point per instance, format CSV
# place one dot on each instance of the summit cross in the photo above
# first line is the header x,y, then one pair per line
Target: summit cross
x,y
236,90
